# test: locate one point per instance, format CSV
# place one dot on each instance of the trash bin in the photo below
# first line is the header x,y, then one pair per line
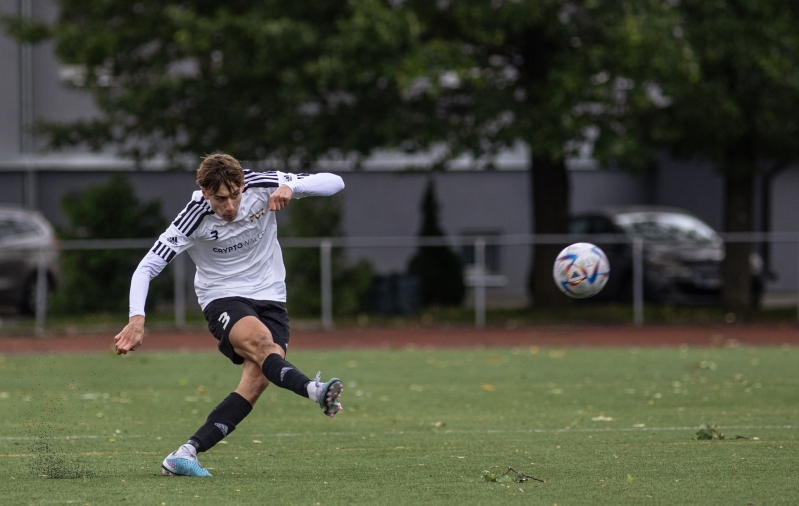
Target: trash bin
x,y
395,294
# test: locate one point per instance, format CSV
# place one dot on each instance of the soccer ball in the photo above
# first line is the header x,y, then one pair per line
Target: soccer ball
x,y
581,270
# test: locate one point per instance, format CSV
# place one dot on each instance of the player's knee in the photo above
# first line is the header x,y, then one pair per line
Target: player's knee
x,y
264,346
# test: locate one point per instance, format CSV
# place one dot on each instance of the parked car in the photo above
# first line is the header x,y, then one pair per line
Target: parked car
x,y
682,254
22,234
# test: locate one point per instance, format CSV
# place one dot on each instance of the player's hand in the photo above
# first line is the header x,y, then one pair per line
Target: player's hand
x,y
131,336
280,198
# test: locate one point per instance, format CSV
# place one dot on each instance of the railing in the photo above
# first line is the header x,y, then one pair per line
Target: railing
x,y
479,277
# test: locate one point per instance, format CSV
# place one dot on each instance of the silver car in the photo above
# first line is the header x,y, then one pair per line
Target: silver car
x,y
683,255
23,234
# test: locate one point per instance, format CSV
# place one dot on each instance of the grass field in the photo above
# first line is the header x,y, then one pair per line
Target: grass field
x,y
609,426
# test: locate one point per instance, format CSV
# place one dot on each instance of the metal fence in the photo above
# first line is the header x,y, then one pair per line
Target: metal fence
x,y
479,280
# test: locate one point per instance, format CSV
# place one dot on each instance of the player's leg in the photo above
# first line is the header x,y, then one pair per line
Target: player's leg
x,y
276,318
259,332
222,420
251,339
221,314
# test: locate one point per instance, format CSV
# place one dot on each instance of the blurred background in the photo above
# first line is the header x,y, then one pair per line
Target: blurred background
x,y
476,139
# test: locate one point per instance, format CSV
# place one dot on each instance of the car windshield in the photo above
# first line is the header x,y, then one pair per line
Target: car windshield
x,y
660,226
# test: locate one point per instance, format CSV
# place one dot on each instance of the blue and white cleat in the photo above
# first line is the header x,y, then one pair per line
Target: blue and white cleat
x,y
328,395
183,462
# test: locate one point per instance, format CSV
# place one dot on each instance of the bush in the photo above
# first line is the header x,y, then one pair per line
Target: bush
x,y
321,217
99,280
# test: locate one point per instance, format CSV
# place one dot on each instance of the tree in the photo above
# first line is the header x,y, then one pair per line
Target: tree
x,y
96,281
440,271
741,110
280,79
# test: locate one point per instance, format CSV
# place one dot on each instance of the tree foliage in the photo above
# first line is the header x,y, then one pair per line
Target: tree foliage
x,y
98,280
287,80
741,110
278,77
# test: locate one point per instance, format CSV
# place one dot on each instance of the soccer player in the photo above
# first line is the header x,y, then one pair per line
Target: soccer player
x,y
229,230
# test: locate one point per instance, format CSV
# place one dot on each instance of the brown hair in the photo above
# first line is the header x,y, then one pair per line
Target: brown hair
x,y
218,169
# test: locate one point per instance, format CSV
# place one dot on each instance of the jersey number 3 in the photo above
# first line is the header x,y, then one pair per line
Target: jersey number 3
x,y
214,235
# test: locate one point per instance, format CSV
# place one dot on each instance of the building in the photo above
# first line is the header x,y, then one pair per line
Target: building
x,y
382,200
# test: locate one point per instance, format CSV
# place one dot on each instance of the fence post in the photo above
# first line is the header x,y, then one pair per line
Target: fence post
x,y
479,283
41,292
638,281
797,280
179,267
327,284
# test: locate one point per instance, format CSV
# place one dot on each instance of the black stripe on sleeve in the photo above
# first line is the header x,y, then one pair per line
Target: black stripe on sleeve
x,y
261,176
191,217
196,223
163,251
187,213
261,180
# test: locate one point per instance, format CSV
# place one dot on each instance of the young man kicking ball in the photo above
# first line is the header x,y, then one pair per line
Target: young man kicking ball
x,y
229,230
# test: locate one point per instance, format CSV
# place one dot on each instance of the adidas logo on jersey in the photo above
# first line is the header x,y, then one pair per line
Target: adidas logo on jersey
x,y
172,240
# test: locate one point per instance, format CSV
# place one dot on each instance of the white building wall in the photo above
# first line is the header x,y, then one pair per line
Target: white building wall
x,y
785,218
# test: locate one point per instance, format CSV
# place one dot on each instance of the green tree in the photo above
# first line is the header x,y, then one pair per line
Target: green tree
x,y
99,280
741,111
440,271
321,217
296,81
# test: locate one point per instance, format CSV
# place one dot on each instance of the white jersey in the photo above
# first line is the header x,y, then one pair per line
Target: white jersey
x,y
241,258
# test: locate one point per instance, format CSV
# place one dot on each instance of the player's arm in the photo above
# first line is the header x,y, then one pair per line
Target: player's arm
x,y
296,186
171,242
132,335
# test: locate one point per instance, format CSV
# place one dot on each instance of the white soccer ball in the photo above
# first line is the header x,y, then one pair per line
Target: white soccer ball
x,y
581,270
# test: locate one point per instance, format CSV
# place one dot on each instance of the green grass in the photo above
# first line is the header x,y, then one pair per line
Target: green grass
x,y
609,426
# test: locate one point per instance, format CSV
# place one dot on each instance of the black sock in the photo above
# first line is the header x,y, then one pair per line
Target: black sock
x,y
221,421
285,375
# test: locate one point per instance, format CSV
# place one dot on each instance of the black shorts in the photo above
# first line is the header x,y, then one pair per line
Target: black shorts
x,y
223,313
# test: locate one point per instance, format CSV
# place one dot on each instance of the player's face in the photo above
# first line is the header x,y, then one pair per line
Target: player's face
x,y
225,201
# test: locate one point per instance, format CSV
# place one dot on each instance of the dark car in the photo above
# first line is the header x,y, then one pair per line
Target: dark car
x,y
682,254
23,234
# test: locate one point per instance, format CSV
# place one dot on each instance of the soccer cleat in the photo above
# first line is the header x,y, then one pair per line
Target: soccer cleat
x,y
183,462
328,395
